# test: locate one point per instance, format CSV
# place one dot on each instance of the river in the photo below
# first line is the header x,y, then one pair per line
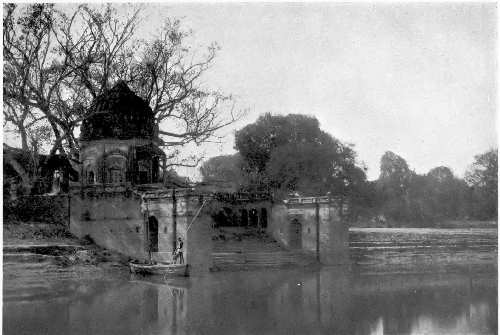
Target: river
x,y
40,298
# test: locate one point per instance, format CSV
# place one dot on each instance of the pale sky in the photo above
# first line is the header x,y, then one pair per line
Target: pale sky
x,y
416,79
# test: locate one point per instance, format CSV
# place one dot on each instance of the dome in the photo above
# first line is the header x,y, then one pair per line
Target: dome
x,y
119,114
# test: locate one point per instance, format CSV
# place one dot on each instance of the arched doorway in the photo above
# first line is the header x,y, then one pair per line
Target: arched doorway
x,y
244,217
295,234
153,234
90,178
224,217
253,217
263,218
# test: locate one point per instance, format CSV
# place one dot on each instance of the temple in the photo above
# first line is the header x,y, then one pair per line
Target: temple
x,y
123,202
118,141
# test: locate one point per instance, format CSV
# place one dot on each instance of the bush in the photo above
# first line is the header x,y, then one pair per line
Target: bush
x,y
41,209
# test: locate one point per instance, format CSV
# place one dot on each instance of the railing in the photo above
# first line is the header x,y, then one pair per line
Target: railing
x,y
99,188
239,197
311,200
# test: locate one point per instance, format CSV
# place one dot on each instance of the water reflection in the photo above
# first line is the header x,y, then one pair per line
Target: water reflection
x,y
330,301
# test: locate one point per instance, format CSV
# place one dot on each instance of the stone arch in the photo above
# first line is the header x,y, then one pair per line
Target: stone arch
x,y
115,167
153,234
263,217
223,217
253,217
90,177
143,171
89,171
244,217
295,234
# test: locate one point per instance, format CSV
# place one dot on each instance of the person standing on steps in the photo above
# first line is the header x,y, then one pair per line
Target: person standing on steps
x,y
179,255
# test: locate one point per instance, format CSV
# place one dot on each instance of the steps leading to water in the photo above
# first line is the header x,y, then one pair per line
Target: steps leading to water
x,y
246,249
240,261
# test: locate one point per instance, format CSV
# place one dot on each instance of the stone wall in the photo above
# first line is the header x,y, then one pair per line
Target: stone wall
x,y
195,231
334,236
278,224
333,230
162,209
114,221
119,222
199,235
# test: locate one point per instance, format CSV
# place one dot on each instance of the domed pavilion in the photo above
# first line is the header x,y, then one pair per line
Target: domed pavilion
x,y
118,143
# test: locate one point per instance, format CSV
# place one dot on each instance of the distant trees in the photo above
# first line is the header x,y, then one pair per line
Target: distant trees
x,y
394,186
482,178
446,195
406,197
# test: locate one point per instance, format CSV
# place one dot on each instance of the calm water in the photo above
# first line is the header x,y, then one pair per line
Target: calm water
x,y
329,301
399,282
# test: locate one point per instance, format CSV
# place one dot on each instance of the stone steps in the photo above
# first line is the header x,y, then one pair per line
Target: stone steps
x,y
247,249
240,249
240,261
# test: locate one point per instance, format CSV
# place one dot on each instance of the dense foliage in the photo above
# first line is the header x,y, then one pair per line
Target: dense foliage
x,y
407,197
483,181
291,154
224,169
403,197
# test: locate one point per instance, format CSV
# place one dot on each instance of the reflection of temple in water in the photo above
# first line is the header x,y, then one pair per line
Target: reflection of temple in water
x,y
326,302
331,301
164,309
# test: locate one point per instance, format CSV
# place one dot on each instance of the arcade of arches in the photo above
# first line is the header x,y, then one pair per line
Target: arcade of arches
x,y
241,216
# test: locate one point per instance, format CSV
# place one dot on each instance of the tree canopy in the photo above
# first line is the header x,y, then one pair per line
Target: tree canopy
x,y
292,154
56,62
482,177
224,169
407,198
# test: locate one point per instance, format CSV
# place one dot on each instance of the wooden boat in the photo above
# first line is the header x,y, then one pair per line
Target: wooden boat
x,y
165,269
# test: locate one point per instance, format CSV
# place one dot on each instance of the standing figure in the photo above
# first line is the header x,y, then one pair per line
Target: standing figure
x,y
56,182
179,255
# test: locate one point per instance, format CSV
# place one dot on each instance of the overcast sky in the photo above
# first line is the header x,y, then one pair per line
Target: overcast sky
x,y
416,79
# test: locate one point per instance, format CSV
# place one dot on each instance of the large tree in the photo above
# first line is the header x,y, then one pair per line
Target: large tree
x,y
224,169
256,141
292,154
56,61
394,186
445,194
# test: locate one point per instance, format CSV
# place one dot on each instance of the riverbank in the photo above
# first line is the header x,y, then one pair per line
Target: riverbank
x,y
55,244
